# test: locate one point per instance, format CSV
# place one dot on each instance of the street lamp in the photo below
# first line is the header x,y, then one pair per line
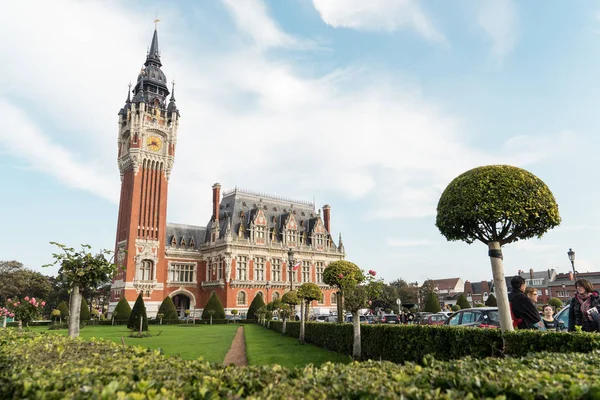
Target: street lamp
x,y
268,286
564,293
290,265
571,255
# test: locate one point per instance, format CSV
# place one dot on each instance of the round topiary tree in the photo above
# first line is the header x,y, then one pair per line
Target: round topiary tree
x,y
84,311
462,302
168,310
497,205
257,303
214,304
556,303
64,310
307,292
491,301
455,307
122,311
342,274
432,304
138,314
290,299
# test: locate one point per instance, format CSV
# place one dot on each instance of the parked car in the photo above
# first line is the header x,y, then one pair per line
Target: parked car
x,y
363,319
433,319
481,317
331,318
419,317
389,319
563,319
319,318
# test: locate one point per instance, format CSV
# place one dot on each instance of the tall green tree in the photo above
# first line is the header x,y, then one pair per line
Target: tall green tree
x,y
497,205
122,310
307,292
257,303
342,274
138,315
213,304
64,310
432,303
81,269
16,281
491,301
167,309
462,302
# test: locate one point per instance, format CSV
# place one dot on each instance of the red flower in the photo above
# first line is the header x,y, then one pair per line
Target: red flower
x,y
340,276
26,298
372,273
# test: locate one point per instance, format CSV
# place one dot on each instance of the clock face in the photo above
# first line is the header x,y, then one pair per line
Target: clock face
x,y
154,143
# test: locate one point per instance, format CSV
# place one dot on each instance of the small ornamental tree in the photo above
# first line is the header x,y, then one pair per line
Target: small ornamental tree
x,y
432,304
497,205
122,311
213,303
257,303
342,274
138,314
82,270
556,303
462,302
455,308
307,292
234,312
167,309
491,301
84,313
64,310
290,299
56,315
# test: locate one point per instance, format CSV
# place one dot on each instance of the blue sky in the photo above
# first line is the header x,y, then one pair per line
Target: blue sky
x,y
372,107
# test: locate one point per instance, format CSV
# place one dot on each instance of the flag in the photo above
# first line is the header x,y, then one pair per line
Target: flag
x,y
296,266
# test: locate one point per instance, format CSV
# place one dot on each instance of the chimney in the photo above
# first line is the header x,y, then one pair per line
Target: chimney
x,y
549,274
531,273
327,217
216,199
520,272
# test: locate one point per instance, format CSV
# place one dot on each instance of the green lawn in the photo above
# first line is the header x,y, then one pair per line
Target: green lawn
x,y
266,347
190,342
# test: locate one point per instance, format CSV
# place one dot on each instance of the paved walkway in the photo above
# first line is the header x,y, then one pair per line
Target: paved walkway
x,y
237,353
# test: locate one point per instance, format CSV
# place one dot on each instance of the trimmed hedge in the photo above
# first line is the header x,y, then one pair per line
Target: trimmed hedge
x,y
48,366
138,312
213,303
167,309
15,324
401,343
122,310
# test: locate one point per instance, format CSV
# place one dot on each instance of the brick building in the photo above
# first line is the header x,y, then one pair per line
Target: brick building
x,y
241,252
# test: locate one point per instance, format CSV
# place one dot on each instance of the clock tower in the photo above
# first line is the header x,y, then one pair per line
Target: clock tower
x,y
147,137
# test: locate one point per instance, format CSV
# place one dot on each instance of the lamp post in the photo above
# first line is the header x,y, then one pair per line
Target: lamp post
x,y
290,266
564,293
571,255
268,286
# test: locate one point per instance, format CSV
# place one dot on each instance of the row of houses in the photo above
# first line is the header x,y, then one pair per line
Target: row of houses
x,y
549,284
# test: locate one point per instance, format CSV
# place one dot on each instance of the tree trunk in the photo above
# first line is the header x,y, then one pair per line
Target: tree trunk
x,y
356,344
4,322
340,309
306,310
74,312
495,254
302,319
283,327
211,319
20,324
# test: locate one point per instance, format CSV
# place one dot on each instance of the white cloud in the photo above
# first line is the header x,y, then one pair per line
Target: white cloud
x,y
395,242
378,15
500,21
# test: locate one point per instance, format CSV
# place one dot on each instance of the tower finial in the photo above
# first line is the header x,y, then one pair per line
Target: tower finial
x,y
173,90
129,93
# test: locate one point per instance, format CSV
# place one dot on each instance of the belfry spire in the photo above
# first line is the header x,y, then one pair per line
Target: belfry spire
x,y
154,52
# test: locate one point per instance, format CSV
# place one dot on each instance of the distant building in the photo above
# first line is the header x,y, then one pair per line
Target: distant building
x,y
477,292
539,280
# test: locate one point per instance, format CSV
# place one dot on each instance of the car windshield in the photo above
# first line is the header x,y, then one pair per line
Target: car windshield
x,y
493,316
391,317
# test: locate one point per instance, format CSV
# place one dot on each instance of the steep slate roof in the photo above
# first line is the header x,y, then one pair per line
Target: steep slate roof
x,y
186,232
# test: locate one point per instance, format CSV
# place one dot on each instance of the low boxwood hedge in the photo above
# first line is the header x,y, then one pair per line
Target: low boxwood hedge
x,y
46,366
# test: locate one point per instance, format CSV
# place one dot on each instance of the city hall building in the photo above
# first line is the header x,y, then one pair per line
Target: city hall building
x,y
244,249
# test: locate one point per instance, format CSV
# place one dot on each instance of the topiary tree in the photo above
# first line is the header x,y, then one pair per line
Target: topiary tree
x,y
455,307
462,302
479,305
56,315
342,274
122,311
497,205
491,301
556,303
213,303
234,312
137,315
167,309
432,304
290,299
84,312
257,303
64,310
307,292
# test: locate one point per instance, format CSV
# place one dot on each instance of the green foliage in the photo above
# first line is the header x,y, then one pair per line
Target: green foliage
x,y
234,312
18,282
309,291
462,302
214,304
479,305
257,303
64,310
455,307
84,312
432,304
491,301
342,274
290,298
24,310
167,309
496,203
138,313
556,303
122,310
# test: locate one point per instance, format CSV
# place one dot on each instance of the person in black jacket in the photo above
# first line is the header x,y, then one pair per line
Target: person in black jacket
x,y
585,301
524,313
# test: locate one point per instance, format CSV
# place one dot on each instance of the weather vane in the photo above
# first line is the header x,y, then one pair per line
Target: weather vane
x,y
156,20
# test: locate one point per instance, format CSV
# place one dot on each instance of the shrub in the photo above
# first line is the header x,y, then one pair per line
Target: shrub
x,y
257,303
432,304
138,314
84,312
455,307
491,301
213,303
462,302
167,309
64,310
556,303
122,310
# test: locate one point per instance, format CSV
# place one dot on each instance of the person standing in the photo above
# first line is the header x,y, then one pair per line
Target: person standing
x,y
523,311
585,302
548,319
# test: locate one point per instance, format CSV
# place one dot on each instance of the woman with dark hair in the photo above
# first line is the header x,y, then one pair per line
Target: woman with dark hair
x,y
523,312
548,319
585,302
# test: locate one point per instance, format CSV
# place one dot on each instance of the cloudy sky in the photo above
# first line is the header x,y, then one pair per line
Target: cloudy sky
x,y
370,106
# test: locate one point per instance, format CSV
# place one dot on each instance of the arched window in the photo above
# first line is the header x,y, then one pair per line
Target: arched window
x,y
259,293
333,298
275,295
146,270
241,298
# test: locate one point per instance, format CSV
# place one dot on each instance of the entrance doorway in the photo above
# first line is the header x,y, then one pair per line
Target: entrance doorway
x,y
182,303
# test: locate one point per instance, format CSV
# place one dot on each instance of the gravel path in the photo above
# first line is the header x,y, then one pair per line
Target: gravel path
x,y
237,353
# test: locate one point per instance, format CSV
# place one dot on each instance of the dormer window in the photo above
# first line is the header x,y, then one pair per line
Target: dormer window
x,y
191,243
182,243
173,241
